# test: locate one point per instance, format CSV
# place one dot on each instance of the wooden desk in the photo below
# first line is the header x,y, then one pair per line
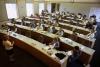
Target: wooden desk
x,y
69,22
36,48
65,44
77,29
80,30
78,38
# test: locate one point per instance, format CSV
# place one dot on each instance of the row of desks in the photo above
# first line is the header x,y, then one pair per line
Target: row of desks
x,y
78,38
37,49
65,25
66,44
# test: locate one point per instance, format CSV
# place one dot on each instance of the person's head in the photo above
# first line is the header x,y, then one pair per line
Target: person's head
x,y
93,18
53,27
31,15
76,48
43,25
60,29
79,15
84,16
6,37
92,30
13,19
38,24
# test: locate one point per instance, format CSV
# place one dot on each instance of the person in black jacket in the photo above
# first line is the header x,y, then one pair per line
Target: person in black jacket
x,y
74,59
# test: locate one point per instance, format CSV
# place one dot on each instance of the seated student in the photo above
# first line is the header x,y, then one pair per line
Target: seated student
x,y
23,18
49,22
13,28
84,17
53,15
31,16
89,25
37,26
50,18
13,20
74,59
85,21
46,12
42,21
55,43
33,25
60,32
57,12
92,22
52,29
42,27
93,19
23,22
5,26
43,13
79,18
91,34
67,14
55,22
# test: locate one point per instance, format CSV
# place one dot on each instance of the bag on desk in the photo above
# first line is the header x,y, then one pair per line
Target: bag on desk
x,y
60,55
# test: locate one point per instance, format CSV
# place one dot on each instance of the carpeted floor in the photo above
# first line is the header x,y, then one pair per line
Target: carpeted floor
x,y
22,59
96,58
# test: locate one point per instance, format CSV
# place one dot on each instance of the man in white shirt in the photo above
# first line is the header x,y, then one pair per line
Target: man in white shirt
x,y
8,47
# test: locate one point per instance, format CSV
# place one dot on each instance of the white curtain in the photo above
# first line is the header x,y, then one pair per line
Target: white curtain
x,y
41,7
95,11
11,10
29,9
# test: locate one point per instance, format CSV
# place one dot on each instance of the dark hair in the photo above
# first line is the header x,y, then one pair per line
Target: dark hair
x,y
5,37
76,47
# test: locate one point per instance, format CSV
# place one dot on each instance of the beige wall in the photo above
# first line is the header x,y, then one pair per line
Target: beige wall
x,y
83,8
64,6
21,7
3,14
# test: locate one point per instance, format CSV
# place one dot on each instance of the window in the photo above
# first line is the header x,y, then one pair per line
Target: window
x,y
49,7
95,11
41,7
29,9
11,11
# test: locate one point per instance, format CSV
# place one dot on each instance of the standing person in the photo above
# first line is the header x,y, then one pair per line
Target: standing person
x,y
9,47
74,59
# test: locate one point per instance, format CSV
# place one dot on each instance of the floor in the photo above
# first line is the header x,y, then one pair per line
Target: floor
x,y
22,59
96,58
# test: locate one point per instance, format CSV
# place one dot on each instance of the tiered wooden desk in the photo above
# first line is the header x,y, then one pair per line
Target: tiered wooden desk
x,y
82,39
66,44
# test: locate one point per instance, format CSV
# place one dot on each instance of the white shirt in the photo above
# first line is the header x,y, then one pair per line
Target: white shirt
x,y
61,33
56,45
8,45
50,30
